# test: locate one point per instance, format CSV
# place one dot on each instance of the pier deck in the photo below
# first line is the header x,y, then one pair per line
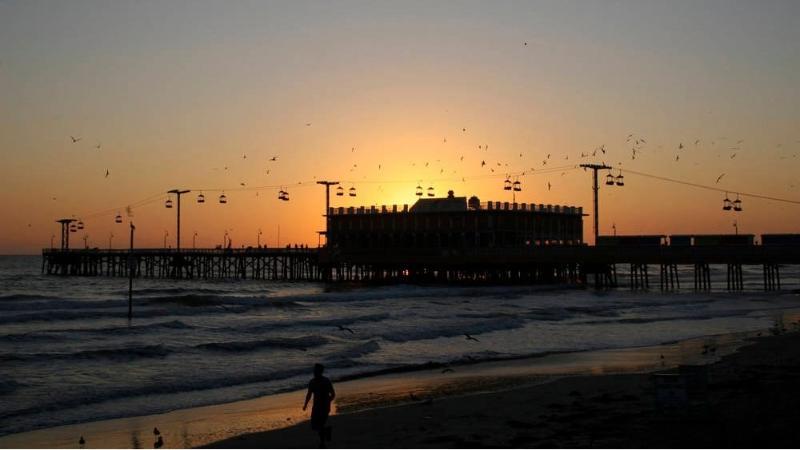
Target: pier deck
x,y
545,264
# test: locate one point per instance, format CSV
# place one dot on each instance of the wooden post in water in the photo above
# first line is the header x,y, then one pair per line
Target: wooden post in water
x,y
130,276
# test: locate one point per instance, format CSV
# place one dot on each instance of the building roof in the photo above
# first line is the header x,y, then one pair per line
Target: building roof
x,y
447,204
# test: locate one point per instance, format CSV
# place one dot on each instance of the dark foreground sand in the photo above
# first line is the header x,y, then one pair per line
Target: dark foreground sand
x,y
752,400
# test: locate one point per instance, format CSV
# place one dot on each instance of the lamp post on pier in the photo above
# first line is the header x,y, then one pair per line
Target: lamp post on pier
x,y
178,193
328,185
595,188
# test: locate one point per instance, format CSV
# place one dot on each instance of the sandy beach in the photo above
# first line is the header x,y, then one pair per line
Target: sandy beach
x,y
750,401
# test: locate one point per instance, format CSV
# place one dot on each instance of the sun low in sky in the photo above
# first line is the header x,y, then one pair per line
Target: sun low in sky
x,y
105,106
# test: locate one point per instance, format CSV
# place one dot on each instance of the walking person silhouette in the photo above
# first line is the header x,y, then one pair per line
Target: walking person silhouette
x,y
322,390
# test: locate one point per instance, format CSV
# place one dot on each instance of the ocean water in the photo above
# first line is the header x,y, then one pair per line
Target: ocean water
x,y
68,354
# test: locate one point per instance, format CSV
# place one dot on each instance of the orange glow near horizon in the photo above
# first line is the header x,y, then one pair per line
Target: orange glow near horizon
x,y
172,107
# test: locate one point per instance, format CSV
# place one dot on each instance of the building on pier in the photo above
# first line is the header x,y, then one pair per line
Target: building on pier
x,y
454,223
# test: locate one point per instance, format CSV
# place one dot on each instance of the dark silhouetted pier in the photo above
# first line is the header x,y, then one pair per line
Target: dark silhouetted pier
x,y
573,264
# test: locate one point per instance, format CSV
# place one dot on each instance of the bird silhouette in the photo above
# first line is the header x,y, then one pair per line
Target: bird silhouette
x,y
156,431
75,139
548,186
720,177
344,328
483,163
470,338
81,441
244,156
274,158
447,369
98,146
107,173
308,124
680,146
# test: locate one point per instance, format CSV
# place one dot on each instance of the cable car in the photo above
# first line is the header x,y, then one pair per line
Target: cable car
x,y
737,204
73,228
352,192
620,179
419,191
726,204
80,225
285,196
201,198
517,186
168,203
339,191
223,199
430,191
609,179
507,185
118,219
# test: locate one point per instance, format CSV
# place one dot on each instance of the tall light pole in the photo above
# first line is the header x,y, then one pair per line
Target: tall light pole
x,y
166,233
595,168
327,185
65,225
110,237
194,239
178,193
52,238
258,238
130,276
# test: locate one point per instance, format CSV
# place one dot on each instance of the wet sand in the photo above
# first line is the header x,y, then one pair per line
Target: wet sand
x,y
565,399
200,426
751,400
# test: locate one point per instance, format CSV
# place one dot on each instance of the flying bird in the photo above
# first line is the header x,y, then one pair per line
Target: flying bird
x,y
680,146
274,158
470,338
98,146
75,139
107,173
344,328
308,124
548,186
483,163
720,177
447,369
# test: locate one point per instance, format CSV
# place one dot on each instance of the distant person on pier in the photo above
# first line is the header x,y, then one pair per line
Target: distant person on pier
x,y
322,390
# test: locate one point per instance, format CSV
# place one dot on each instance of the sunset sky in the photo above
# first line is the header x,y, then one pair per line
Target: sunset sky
x,y
173,92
